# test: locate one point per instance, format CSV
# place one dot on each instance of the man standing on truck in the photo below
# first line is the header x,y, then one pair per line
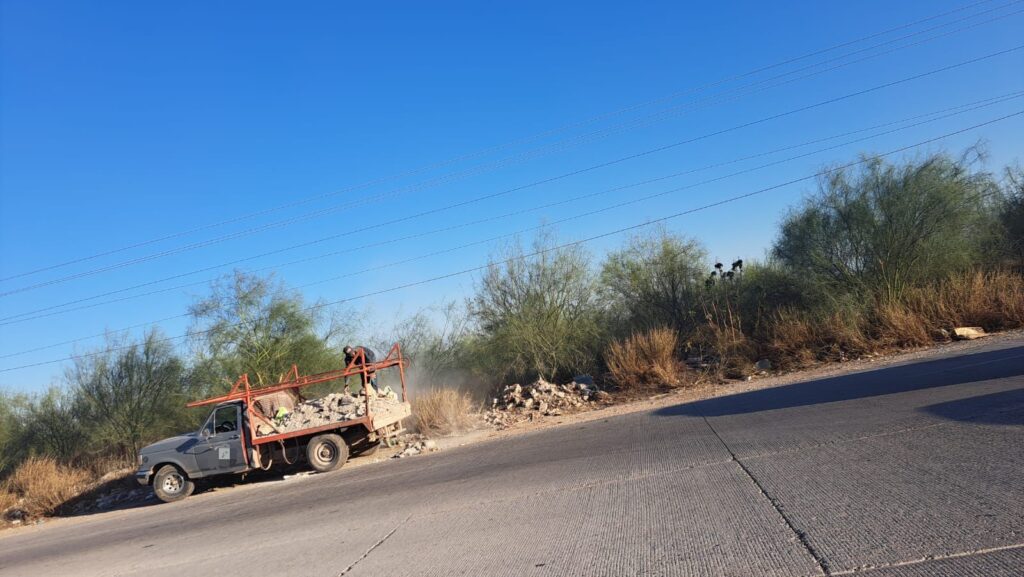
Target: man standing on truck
x,y
351,353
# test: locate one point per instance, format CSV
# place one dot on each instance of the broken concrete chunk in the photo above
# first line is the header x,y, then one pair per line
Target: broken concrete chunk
x,y
332,408
968,333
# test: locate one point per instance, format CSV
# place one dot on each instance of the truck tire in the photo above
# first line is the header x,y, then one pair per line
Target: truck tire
x,y
171,485
326,452
370,449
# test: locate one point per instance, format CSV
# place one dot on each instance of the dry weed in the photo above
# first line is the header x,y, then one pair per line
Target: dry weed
x,y
994,301
100,466
45,484
797,339
443,412
896,325
645,360
723,334
793,341
7,499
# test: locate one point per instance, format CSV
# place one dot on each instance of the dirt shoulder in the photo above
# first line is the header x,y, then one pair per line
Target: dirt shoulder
x,y
706,391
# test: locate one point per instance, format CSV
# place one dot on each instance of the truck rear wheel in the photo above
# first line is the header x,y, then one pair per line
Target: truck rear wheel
x,y
326,452
369,449
170,484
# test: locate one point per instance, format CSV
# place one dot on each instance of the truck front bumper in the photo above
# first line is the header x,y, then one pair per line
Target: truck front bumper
x,y
143,474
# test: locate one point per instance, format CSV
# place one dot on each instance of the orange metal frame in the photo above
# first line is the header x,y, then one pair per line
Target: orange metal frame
x,y
243,391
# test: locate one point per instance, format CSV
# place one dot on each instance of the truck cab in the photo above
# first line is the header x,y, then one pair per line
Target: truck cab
x,y
221,448
217,447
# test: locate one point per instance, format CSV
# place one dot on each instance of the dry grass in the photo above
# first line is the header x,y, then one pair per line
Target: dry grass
x,y
443,411
100,466
645,360
897,326
723,334
793,341
797,340
993,300
45,484
7,499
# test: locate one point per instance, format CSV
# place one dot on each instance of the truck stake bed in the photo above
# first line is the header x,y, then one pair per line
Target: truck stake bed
x,y
170,465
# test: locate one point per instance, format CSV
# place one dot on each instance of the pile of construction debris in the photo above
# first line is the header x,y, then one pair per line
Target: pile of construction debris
x,y
518,403
414,445
332,408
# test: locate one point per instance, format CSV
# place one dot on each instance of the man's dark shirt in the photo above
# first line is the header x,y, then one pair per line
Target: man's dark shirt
x,y
367,353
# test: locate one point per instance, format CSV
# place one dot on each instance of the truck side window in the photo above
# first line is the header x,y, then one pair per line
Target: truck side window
x,y
225,420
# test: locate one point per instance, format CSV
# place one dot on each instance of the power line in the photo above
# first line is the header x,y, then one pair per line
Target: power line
x,y
566,245
525,156
589,195
587,169
713,99
448,178
929,117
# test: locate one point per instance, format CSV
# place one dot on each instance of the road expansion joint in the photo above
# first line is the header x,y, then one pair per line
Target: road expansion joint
x,y
800,535
375,545
863,569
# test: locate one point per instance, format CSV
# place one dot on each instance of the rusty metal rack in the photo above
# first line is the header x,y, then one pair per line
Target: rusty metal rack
x,y
242,390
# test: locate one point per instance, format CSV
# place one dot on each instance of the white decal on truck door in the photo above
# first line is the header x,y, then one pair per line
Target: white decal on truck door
x,y
224,453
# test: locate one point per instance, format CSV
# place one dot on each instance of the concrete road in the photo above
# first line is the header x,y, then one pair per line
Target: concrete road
x,y
911,470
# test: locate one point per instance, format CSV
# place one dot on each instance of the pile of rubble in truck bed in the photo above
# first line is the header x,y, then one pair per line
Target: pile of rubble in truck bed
x,y
332,408
518,403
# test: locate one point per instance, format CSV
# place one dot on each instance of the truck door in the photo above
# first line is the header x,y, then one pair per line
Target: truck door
x,y
220,450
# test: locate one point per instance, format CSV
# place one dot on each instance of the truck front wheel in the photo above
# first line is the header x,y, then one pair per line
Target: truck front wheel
x,y
170,484
326,452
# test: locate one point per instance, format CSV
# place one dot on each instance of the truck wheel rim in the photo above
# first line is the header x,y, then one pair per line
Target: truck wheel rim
x,y
173,482
325,453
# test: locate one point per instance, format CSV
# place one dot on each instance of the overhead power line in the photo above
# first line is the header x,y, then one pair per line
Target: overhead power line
x,y
764,84
558,247
508,144
592,167
916,120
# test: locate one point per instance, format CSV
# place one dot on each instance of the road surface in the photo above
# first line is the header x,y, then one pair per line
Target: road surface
x,y
910,470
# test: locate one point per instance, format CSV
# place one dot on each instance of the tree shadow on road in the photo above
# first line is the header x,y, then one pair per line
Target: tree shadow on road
x,y
899,379
1002,408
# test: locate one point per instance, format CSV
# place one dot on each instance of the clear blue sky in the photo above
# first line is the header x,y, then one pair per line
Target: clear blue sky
x,y
125,121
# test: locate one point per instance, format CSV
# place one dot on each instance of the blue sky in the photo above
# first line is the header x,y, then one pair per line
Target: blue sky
x,y
121,122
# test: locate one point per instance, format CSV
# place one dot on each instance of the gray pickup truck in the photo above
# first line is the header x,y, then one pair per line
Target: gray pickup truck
x,y
240,436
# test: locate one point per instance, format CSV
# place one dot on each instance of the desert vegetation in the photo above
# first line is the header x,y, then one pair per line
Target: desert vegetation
x,y
881,257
